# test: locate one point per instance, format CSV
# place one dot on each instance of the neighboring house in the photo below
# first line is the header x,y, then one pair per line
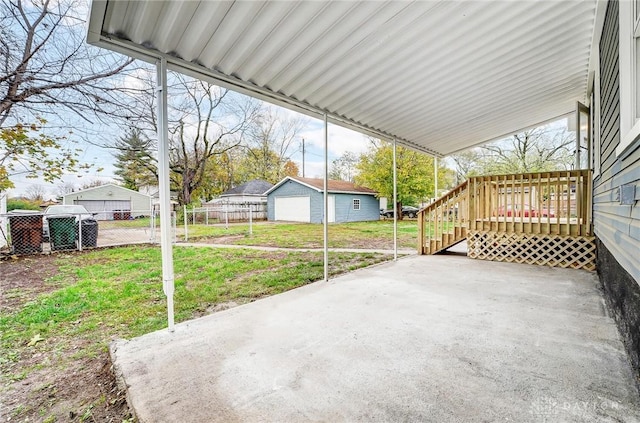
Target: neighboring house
x,y
150,190
3,220
301,200
111,201
249,192
616,161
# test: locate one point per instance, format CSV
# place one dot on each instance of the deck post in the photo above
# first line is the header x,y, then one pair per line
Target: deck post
x,y
165,199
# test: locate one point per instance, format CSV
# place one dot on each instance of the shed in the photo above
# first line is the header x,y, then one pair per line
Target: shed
x,y
111,201
301,200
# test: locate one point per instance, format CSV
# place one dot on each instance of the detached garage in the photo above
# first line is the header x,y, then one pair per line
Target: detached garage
x,y
111,202
301,200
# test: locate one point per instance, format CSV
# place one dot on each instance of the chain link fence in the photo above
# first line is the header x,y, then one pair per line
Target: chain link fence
x,y
32,232
223,214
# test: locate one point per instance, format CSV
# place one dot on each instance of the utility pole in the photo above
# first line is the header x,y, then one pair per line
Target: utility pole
x,y
303,158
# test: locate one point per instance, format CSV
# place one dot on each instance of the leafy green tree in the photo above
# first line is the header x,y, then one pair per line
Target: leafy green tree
x,y
136,164
415,174
26,150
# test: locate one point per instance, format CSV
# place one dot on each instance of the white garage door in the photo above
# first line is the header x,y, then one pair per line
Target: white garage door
x,y
97,206
293,209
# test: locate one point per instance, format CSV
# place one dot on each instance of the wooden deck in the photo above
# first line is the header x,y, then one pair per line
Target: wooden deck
x,y
541,218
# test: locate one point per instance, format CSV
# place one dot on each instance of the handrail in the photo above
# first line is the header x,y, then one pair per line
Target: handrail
x,y
541,203
441,218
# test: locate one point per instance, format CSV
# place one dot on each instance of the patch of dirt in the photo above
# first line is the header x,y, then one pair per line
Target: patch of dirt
x,y
23,278
45,384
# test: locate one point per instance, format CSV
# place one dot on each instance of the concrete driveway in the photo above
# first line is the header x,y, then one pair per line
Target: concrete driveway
x,y
428,338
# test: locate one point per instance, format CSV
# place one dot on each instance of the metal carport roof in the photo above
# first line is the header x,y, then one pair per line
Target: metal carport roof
x,y
439,76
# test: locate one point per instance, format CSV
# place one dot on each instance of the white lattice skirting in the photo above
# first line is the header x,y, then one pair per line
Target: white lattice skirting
x,y
577,252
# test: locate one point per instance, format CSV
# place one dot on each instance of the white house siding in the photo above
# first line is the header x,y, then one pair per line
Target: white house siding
x,y
107,198
617,225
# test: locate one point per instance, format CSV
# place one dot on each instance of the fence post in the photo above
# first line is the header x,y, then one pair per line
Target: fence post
x,y
226,217
186,228
80,232
193,210
152,227
174,218
206,216
250,220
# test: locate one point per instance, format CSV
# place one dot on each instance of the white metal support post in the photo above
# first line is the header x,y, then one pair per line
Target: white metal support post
x,y
578,136
395,204
165,199
435,177
326,199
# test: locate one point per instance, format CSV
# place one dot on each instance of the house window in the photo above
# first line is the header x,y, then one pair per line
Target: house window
x,y
629,19
356,204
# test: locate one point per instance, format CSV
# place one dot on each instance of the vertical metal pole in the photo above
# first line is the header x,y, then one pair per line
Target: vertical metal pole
x,y
326,199
578,136
186,228
395,204
165,199
80,232
435,177
250,220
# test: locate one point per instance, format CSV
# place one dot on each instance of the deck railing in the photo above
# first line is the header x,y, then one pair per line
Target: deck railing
x,y
515,215
547,203
444,222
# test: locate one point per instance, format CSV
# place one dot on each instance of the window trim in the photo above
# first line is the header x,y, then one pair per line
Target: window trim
x,y
629,74
356,201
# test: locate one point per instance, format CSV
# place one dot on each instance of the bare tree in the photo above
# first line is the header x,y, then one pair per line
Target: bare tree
x,y
47,68
536,150
64,188
270,143
344,167
35,192
205,122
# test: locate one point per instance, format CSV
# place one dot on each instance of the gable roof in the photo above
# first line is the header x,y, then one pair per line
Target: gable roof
x,y
110,185
255,187
317,184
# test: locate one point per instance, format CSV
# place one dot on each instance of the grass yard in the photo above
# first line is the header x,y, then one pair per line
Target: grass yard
x,y
59,313
372,235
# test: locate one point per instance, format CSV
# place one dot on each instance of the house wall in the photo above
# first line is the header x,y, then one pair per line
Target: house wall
x,y
139,202
369,205
369,208
294,189
616,225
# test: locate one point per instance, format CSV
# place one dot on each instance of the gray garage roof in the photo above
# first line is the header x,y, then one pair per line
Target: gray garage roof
x,y
440,76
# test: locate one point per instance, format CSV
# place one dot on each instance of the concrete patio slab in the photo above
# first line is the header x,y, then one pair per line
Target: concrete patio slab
x,y
428,338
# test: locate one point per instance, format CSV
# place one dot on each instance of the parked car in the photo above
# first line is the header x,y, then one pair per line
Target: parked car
x,y
79,212
407,211
522,212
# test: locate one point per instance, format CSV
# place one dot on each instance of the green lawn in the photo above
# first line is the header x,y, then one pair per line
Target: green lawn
x,y
117,292
376,234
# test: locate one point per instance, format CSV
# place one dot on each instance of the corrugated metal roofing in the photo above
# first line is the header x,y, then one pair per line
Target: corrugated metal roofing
x,y
439,76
